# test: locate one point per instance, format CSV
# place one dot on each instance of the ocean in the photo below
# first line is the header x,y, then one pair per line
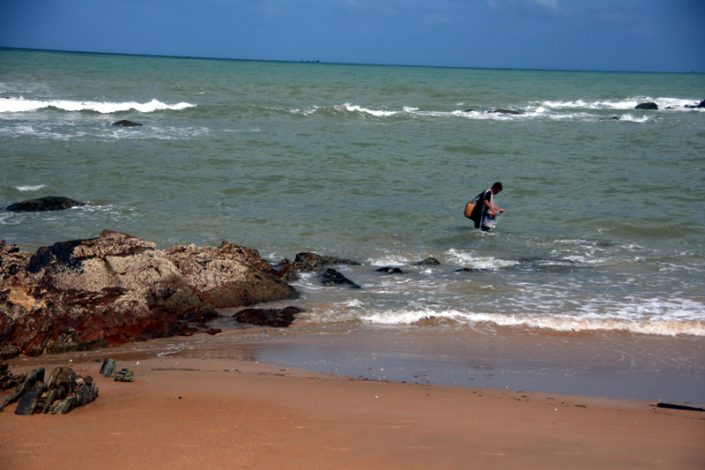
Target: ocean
x,y
604,226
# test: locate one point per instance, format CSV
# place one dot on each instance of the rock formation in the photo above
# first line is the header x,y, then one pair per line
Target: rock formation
x,y
48,203
115,288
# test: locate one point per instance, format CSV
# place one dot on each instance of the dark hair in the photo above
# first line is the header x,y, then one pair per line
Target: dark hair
x,y
497,186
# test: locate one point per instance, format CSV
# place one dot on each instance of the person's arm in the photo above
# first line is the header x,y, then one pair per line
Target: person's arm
x,y
492,208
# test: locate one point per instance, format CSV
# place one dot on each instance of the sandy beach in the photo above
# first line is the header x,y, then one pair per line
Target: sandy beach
x,y
235,412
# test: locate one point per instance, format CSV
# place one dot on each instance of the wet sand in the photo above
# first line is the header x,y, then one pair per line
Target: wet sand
x,y
181,413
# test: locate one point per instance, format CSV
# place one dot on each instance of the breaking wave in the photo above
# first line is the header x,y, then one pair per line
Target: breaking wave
x,y
22,105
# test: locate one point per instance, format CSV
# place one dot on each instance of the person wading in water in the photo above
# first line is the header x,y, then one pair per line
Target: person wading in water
x,y
485,211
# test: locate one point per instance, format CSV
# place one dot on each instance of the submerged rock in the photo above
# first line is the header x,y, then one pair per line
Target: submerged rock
x,y
696,106
430,261
505,111
48,203
278,318
126,123
331,277
389,270
311,262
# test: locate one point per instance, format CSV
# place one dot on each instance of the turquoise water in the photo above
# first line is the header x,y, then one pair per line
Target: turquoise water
x,y
604,227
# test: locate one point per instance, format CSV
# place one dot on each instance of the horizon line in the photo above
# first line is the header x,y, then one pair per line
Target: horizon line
x,y
319,62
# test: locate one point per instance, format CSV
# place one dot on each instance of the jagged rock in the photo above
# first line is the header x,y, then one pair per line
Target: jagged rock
x,y
29,400
331,277
82,294
126,123
389,270
229,275
268,317
430,261
108,367
7,379
647,105
30,380
311,262
65,405
124,375
48,203
87,391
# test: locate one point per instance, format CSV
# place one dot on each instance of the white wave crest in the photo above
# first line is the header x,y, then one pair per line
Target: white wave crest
x,y
30,188
359,109
470,260
22,105
667,326
617,105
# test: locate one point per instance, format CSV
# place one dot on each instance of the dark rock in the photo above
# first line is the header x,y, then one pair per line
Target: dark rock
x,y
311,262
389,270
30,380
331,277
505,111
647,105
430,261
286,271
7,379
612,118
126,123
65,405
470,270
48,203
696,106
268,317
28,402
108,367
124,375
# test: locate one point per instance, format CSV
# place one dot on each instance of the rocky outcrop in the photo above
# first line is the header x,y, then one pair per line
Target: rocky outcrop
x,y
48,203
115,288
63,391
647,105
229,275
268,317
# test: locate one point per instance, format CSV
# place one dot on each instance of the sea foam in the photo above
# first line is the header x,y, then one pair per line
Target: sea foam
x,y
23,105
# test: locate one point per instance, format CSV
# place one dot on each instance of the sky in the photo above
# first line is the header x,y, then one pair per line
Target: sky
x,y
621,35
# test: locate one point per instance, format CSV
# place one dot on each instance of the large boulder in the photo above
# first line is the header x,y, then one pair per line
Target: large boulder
x,y
115,288
48,203
648,105
229,275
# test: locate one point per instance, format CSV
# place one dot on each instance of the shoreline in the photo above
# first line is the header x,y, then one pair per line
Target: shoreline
x,y
239,413
604,365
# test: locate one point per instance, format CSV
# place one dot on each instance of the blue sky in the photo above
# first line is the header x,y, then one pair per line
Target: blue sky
x,y
632,35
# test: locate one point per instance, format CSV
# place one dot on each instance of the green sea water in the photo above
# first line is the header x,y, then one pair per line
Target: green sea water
x,y
604,226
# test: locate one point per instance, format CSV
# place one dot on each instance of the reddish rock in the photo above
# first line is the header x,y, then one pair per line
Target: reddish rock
x,y
115,288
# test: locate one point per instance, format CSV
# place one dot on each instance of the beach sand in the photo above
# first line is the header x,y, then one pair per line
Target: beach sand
x,y
228,412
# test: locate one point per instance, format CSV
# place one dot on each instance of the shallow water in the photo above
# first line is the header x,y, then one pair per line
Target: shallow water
x,y
604,226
